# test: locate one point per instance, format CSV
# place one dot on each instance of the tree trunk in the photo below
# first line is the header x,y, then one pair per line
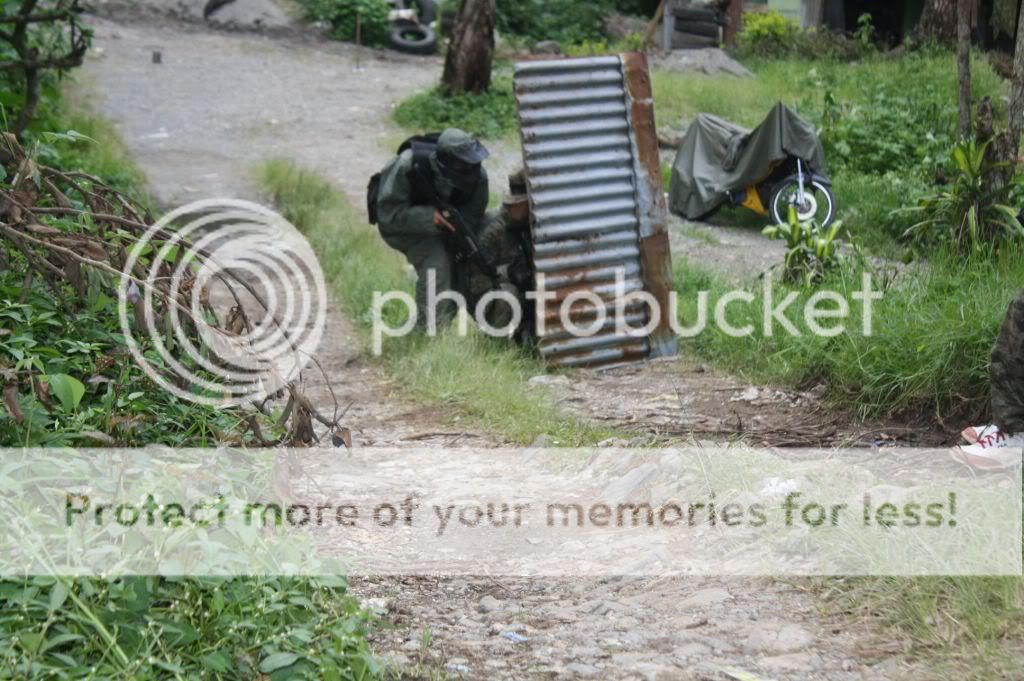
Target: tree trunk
x,y
734,22
963,31
471,52
1007,145
939,21
1017,90
28,111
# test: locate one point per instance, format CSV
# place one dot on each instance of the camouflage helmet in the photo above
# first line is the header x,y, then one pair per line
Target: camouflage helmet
x,y
459,157
459,144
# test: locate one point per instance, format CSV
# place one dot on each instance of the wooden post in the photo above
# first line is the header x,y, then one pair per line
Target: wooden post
x,y
652,27
734,22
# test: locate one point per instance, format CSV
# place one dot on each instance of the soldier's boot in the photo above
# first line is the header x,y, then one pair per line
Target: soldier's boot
x,y
1008,371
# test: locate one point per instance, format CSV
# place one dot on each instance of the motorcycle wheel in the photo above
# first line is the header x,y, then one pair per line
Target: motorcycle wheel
x,y
819,202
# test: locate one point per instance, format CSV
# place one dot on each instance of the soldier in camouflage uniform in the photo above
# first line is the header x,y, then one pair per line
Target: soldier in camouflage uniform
x,y
417,229
1008,371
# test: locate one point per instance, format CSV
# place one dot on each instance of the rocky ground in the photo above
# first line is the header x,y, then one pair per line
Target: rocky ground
x,y
216,102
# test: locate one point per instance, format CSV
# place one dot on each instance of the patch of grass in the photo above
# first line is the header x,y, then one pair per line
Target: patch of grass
x,y
969,628
105,157
930,348
488,115
484,380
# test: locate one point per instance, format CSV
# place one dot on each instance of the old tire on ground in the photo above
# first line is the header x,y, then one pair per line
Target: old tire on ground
x,y
413,39
708,28
689,41
696,14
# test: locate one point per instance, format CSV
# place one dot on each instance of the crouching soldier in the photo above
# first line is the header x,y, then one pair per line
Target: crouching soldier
x,y
431,172
1000,445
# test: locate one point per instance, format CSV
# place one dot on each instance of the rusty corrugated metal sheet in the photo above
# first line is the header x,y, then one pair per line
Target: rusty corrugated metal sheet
x,y
595,188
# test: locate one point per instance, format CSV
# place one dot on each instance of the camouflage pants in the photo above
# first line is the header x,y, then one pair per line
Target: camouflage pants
x,y
1008,371
431,254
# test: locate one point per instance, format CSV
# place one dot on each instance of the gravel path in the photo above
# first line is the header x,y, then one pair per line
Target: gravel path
x,y
220,101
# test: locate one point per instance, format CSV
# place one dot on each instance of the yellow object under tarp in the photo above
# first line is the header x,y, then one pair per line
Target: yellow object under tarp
x,y
753,201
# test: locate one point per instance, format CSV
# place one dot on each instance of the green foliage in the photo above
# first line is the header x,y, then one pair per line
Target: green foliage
x,y
634,42
49,47
865,33
969,216
487,115
75,378
771,35
812,250
157,628
480,379
342,15
931,341
767,34
85,387
564,21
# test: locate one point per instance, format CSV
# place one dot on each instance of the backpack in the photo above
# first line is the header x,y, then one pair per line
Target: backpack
x,y
422,147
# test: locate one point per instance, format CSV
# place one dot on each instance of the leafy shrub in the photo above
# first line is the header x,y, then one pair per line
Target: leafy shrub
x,y
486,115
565,21
968,216
342,15
767,34
891,132
154,627
772,35
812,250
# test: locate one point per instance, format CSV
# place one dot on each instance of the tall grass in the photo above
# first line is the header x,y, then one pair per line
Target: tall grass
x,y
483,379
679,97
964,628
931,339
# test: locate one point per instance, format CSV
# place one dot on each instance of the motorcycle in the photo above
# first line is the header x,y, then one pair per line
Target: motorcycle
x,y
779,164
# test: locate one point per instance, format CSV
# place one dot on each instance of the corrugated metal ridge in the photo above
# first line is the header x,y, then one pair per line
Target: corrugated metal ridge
x,y
585,343
610,240
594,257
581,165
578,112
557,65
575,144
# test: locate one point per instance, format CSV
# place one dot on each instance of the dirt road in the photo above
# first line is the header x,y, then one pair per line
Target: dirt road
x,y
216,103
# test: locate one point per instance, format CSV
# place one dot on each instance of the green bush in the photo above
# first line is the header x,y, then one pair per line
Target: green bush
x,y
565,21
186,628
767,34
487,115
812,250
771,35
970,217
341,15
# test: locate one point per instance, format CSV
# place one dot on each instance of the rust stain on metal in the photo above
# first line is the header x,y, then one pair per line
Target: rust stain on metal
x,y
593,177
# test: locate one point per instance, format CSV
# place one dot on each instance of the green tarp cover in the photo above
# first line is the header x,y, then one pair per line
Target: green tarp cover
x,y
717,158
